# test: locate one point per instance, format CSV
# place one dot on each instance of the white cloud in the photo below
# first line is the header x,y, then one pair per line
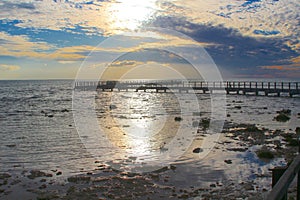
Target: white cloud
x,y
4,67
110,17
66,61
21,46
281,16
125,63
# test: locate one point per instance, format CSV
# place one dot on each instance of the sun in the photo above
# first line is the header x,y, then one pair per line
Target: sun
x,y
128,15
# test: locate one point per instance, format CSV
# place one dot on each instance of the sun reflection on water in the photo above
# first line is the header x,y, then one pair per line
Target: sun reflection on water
x,y
139,123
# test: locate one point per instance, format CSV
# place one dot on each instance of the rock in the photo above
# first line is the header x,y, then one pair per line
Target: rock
x,y
172,167
219,184
178,119
11,145
50,115
4,176
237,149
43,186
228,115
195,123
14,182
64,110
282,117
264,153
238,107
163,169
79,179
183,196
154,176
291,139
213,185
228,161
111,107
252,128
197,150
248,186
297,130
58,173
205,123
36,173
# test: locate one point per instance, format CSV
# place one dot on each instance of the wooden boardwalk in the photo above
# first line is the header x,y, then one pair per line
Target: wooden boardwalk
x,y
230,87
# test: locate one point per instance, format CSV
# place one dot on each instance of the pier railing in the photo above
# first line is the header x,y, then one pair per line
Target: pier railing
x,y
282,177
236,87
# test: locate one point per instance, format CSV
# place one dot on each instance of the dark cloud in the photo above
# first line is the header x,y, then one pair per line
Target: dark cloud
x,y
155,55
232,51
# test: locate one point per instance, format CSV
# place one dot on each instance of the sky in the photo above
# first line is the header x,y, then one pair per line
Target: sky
x,y
54,39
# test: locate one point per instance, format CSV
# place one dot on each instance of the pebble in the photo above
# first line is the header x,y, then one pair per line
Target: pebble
x,y
228,161
58,173
177,119
43,186
197,150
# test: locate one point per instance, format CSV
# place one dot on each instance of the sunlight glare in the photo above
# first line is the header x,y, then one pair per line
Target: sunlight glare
x,y
129,14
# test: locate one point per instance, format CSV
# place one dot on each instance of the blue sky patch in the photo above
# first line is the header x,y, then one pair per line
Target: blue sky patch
x,y
263,32
60,38
248,2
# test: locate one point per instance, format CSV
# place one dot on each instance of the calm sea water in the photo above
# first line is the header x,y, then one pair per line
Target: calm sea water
x,y
37,128
30,136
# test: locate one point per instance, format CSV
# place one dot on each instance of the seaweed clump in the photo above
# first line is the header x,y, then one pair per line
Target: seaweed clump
x,y
265,153
205,123
291,139
283,115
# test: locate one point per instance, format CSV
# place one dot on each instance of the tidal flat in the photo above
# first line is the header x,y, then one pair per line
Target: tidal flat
x,y
44,157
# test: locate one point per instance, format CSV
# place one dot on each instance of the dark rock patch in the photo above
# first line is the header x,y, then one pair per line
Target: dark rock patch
x,y
177,119
197,150
36,174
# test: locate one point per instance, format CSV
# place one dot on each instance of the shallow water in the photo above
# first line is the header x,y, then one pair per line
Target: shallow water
x,y
31,139
38,131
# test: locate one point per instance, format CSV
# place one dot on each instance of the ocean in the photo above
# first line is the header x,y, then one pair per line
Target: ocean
x,y
38,131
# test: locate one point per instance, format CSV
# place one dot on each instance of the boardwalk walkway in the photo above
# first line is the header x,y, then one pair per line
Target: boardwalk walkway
x,y
231,87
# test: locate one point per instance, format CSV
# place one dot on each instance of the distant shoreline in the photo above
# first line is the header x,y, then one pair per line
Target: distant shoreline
x,y
232,79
